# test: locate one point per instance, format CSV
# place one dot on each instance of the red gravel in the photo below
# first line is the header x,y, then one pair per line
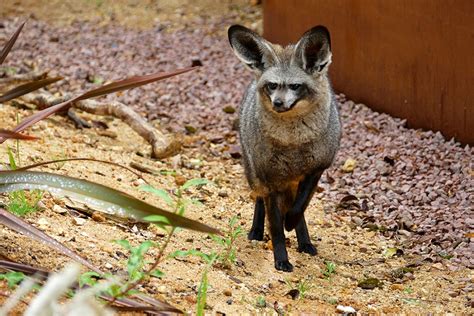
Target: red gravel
x,y
414,185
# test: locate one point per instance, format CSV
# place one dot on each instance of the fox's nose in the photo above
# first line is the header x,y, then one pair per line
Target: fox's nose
x,y
277,103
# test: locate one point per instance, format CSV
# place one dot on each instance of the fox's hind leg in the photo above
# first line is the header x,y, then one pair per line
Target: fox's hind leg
x,y
304,242
257,230
275,218
303,197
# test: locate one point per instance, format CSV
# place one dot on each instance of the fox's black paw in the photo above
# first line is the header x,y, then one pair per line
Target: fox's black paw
x,y
255,234
284,266
308,248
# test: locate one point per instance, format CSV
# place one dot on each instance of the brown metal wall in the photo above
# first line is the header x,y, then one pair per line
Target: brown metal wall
x,y
412,59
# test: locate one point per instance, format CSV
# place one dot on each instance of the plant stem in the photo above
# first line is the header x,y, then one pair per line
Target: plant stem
x,y
158,259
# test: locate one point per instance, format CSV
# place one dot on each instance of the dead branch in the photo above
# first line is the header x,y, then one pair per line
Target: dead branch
x,y
162,145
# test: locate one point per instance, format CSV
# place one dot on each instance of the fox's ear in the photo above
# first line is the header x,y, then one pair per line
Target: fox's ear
x,y
251,48
313,50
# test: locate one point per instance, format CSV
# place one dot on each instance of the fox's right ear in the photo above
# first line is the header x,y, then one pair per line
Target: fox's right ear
x,y
251,48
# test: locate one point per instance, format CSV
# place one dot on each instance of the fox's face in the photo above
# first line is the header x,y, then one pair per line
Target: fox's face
x,y
289,79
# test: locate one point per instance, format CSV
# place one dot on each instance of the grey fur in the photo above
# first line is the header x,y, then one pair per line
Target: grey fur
x,y
278,149
289,130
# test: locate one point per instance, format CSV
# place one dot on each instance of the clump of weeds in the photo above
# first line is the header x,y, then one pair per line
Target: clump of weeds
x,y
139,270
21,202
300,289
329,269
227,257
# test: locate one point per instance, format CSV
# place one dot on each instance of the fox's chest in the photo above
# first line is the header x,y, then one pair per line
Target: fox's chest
x,y
288,163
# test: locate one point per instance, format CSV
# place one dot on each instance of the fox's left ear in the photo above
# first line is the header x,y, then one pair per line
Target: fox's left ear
x,y
313,50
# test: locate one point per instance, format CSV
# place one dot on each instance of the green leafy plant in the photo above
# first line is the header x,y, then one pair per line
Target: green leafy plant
x,y
301,288
227,256
209,260
21,202
203,286
408,290
89,278
329,269
260,302
12,278
138,270
179,203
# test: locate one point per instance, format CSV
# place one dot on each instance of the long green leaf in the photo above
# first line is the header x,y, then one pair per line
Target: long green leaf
x,y
158,192
21,226
90,193
27,88
109,88
194,183
202,294
8,46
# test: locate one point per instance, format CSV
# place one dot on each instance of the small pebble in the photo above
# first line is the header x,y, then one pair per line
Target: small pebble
x,y
162,289
42,222
223,194
179,180
79,221
98,217
397,286
345,309
58,209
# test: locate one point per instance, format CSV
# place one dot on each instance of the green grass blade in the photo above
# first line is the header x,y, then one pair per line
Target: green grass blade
x,y
194,183
202,295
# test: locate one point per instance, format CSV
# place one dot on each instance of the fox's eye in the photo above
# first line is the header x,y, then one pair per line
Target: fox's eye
x,y
272,86
295,86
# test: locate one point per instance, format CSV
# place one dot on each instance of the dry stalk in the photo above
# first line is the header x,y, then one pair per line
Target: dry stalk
x,y
162,145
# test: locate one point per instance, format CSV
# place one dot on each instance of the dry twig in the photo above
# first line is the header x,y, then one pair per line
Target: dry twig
x,y
162,145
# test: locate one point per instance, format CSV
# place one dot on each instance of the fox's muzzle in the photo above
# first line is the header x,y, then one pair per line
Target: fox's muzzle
x,y
281,106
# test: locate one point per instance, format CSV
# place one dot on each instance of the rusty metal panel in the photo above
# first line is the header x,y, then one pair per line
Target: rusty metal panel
x,y
413,59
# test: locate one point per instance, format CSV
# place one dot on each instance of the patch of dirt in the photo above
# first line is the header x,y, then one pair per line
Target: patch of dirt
x,y
173,34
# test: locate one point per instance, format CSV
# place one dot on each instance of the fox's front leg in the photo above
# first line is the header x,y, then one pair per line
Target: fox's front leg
x,y
258,224
303,197
277,233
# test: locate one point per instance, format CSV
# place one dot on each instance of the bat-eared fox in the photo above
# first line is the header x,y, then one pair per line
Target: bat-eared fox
x,y
289,131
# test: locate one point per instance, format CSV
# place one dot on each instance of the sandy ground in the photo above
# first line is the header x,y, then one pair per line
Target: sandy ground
x,y
358,253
